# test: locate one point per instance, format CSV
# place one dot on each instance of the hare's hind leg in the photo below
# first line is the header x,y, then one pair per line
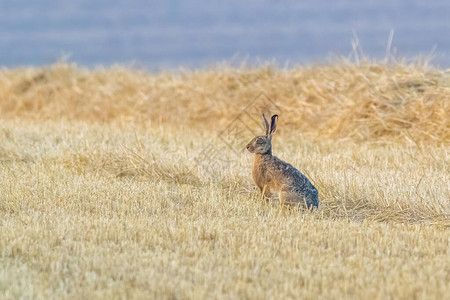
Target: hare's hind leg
x,y
291,198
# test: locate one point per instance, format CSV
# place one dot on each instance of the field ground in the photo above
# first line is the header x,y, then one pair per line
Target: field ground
x,y
101,195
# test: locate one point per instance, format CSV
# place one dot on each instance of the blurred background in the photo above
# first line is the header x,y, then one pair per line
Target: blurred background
x,y
199,34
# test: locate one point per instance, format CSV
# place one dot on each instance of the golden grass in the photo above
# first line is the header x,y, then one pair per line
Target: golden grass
x,y
100,196
364,102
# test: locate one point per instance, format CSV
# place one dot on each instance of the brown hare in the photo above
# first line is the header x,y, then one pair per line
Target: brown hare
x,y
272,174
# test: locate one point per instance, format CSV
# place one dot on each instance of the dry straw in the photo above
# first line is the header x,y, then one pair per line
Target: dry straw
x,y
369,101
99,198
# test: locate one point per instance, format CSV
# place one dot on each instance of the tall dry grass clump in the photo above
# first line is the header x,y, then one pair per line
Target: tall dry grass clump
x,y
359,102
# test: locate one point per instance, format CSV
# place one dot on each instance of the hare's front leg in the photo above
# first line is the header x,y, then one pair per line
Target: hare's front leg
x,y
265,190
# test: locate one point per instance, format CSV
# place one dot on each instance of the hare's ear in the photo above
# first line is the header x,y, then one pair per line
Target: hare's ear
x,y
266,124
273,124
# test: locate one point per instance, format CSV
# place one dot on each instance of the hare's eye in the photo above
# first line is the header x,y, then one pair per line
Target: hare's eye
x,y
259,141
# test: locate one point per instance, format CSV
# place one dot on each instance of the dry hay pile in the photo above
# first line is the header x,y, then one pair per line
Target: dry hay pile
x,y
359,102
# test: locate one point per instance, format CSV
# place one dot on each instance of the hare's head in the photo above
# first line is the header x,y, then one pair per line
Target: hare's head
x,y
263,144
